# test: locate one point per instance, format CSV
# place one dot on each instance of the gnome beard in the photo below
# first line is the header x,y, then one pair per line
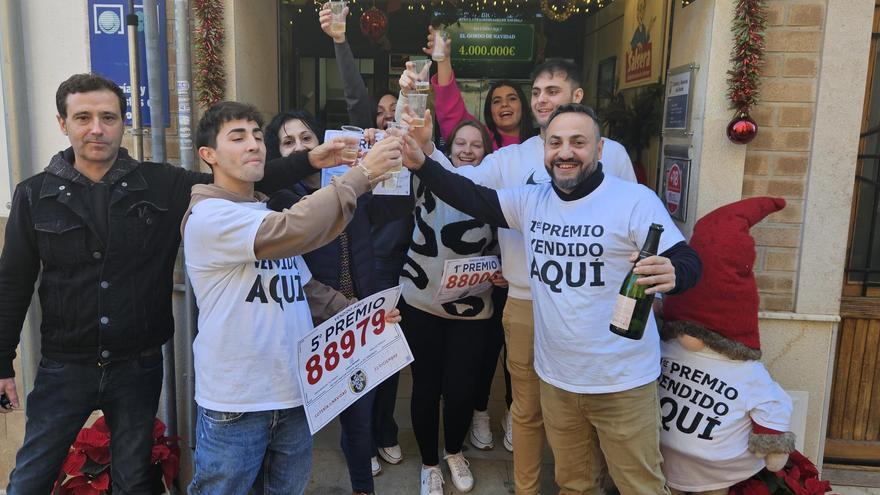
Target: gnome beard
x,y
723,418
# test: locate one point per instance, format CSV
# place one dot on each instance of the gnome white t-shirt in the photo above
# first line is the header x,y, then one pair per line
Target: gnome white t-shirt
x,y
252,312
707,405
517,165
577,257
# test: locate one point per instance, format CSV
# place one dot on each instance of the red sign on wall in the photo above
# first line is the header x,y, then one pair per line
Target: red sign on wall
x,y
638,63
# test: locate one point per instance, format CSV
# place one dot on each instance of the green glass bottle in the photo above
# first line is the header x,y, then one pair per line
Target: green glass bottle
x,y
634,306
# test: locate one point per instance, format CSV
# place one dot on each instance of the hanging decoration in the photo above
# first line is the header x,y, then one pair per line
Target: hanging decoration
x,y
210,76
747,57
374,24
556,13
555,10
742,130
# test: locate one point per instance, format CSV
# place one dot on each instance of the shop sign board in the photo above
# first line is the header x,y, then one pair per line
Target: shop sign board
x,y
643,30
492,40
108,50
674,187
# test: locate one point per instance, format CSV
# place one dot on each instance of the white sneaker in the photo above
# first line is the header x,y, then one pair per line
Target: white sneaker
x,y
507,426
460,471
481,433
432,481
391,455
376,467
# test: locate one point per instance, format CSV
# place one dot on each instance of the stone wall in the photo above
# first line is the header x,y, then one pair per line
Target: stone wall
x,y
778,160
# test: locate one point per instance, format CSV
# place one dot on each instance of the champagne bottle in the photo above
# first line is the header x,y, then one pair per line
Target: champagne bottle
x,y
634,306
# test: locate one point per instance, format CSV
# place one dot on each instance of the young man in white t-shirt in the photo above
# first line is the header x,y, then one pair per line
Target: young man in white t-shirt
x,y
256,299
555,82
580,233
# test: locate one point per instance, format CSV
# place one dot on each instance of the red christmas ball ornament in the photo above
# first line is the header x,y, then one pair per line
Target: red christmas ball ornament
x,y
742,130
374,24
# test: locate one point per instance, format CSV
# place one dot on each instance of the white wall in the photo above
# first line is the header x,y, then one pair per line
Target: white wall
x,y
56,41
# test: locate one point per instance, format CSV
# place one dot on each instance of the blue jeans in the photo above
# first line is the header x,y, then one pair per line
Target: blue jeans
x,y
357,442
269,451
64,396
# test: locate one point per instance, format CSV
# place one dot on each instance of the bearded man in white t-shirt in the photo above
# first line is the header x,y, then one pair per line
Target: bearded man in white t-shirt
x,y
555,82
257,299
597,390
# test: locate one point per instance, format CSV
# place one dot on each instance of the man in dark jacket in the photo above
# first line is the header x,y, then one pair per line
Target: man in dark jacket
x,y
104,229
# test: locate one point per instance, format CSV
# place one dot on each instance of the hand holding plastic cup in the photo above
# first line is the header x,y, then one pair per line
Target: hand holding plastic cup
x,y
337,9
350,152
416,104
395,130
438,52
422,70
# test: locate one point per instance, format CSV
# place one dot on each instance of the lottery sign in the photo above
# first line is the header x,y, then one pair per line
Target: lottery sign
x,y
348,355
466,276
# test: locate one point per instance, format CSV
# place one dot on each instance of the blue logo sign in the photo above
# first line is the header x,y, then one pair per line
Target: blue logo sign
x,y
108,48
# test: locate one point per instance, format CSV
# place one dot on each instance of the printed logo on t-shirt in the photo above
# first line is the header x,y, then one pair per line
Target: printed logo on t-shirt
x,y
532,182
570,255
284,286
694,402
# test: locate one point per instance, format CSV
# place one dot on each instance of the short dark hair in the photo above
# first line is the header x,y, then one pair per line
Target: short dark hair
x,y
273,143
559,65
525,125
577,108
221,113
484,134
85,83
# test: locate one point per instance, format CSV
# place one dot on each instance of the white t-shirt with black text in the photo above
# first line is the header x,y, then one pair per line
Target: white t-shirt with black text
x,y
252,312
517,165
577,255
707,405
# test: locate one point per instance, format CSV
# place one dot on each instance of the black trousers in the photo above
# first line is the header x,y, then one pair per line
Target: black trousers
x,y
447,359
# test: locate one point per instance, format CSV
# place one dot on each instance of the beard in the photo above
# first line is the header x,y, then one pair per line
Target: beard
x,y
570,184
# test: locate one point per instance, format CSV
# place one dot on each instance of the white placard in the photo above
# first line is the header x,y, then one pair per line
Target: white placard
x,y
382,189
466,276
348,355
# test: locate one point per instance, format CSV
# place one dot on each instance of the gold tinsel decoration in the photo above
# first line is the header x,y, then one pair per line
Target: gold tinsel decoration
x,y
555,14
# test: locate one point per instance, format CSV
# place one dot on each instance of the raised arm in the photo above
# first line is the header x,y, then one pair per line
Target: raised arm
x,y
321,216
459,192
361,107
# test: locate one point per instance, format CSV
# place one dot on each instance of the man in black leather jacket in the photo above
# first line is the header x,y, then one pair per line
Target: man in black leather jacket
x,y
105,230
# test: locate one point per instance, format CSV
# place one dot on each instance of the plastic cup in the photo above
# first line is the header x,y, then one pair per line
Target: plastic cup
x,y
438,53
397,129
418,103
422,69
337,20
350,152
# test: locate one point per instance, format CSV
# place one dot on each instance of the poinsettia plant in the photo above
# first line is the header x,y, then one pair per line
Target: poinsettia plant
x,y
86,470
798,477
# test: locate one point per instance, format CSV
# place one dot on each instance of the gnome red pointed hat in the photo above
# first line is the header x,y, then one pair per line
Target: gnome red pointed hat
x,y
722,309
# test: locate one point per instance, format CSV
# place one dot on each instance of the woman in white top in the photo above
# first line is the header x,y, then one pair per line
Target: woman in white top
x,y
447,340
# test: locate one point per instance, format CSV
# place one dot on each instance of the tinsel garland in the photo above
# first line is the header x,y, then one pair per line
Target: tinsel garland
x,y
747,56
210,77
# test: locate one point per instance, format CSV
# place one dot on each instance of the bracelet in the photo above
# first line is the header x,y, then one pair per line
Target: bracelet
x,y
366,172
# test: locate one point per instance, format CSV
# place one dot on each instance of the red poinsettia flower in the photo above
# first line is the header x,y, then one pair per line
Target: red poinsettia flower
x,y
95,444
87,466
74,463
815,486
83,485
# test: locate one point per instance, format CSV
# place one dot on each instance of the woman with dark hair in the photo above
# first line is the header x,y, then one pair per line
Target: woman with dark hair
x,y
447,340
345,264
505,111
390,240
